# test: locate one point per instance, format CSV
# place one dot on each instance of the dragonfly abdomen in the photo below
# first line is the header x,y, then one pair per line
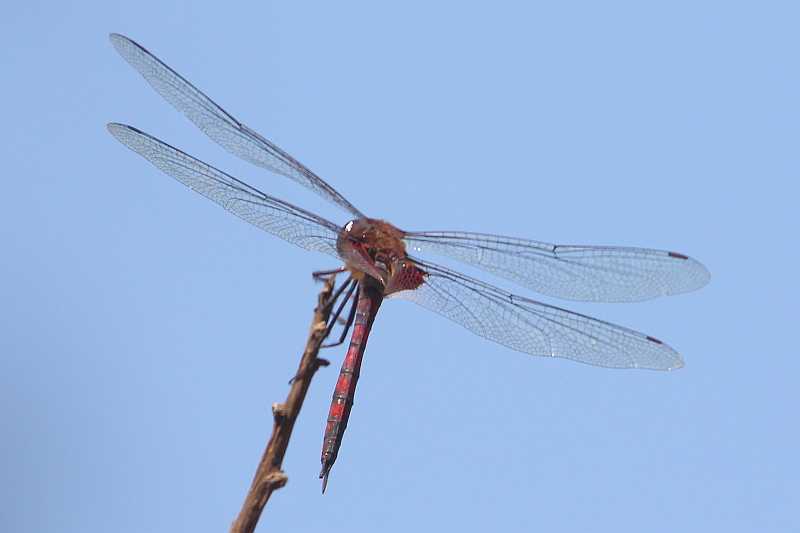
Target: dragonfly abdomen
x,y
369,300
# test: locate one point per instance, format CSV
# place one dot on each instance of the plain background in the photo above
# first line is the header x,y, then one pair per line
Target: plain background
x,y
145,332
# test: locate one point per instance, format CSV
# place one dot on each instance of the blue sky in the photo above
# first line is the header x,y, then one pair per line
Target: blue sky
x,y
146,332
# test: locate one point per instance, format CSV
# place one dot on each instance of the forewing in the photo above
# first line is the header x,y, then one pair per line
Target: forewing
x,y
219,125
572,272
280,218
535,328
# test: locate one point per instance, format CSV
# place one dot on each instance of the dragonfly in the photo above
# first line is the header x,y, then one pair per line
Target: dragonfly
x,y
382,261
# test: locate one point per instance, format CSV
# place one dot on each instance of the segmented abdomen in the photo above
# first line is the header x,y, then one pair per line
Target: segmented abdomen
x,y
369,300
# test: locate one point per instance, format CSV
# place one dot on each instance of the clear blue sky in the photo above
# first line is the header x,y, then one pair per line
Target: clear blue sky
x,y
145,332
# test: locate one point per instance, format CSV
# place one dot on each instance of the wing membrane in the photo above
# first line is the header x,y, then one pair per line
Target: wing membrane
x,y
535,328
219,125
280,218
572,272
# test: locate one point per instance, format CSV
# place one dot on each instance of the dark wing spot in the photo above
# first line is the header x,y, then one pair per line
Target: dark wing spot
x,y
676,255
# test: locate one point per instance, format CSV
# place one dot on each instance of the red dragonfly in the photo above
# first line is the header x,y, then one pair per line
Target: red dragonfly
x,y
378,257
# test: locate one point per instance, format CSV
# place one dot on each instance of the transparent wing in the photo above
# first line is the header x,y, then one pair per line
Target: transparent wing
x,y
535,328
219,125
280,218
572,272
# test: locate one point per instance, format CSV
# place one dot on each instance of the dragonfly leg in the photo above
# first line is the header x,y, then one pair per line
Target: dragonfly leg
x,y
334,297
325,274
318,362
335,317
349,322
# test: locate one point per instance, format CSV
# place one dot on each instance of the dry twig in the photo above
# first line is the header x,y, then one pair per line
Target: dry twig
x,y
269,475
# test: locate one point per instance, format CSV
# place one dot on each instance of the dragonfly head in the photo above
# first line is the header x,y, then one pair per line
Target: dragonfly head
x,y
369,246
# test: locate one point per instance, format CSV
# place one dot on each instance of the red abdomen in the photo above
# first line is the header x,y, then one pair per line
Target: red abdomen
x,y
369,300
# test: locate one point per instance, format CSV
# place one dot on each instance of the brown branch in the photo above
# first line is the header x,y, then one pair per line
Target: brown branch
x,y
269,475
